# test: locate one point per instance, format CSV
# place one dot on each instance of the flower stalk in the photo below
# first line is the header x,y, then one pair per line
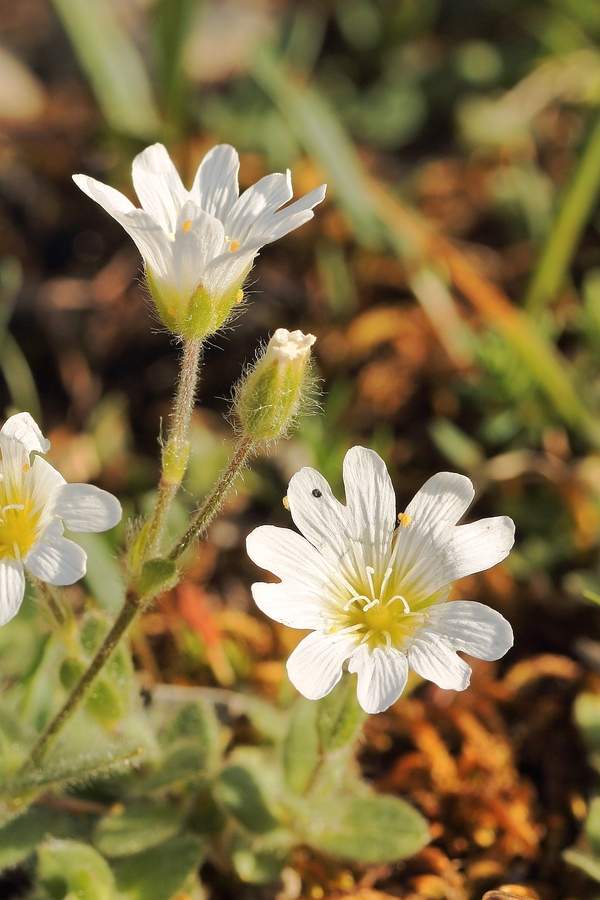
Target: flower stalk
x,y
176,449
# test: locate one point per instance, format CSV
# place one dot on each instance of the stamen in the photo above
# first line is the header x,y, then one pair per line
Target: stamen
x,y
286,503
235,245
369,634
402,600
354,600
186,225
18,506
370,572
16,551
26,467
388,639
384,583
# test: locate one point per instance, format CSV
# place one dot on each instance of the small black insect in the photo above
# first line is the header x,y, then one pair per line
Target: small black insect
x,y
316,493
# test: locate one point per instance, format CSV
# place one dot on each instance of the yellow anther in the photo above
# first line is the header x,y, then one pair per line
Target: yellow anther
x,y
286,503
405,519
239,296
26,467
171,311
235,245
186,225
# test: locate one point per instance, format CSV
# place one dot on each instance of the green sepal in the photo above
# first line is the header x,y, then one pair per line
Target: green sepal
x,y
199,316
69,868
156,577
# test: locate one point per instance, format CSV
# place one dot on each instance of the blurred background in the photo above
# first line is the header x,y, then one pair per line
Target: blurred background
x,y
453,281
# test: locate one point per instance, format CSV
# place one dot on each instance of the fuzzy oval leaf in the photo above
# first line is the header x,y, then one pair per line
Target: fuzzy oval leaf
x,y
340,717
137,828
301,747
374,829
240,794
157,873
20,837
69,867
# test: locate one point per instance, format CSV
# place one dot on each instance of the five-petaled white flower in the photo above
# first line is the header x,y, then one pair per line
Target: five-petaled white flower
x,y
373,594
199,245
35,504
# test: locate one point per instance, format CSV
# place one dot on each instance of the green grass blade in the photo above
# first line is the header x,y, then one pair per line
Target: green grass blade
x,y
113,65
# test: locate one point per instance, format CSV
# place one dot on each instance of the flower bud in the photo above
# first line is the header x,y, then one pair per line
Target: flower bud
x,y
269,396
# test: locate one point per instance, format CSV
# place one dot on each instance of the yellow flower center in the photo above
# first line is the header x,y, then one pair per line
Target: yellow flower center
x,y
378,617
19,529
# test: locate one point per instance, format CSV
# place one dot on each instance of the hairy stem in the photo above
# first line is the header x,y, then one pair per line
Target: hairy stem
x,y
214,500
124,619
175,450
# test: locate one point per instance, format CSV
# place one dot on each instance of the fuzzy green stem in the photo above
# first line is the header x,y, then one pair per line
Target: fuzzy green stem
x,y
175,450
214,500
55,607
124,619
574,211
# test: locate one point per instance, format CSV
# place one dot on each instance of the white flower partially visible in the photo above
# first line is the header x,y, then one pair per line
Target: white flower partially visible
x,y
35,505
373,594
199,245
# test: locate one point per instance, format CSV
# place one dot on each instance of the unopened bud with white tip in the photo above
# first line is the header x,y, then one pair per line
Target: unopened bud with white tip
x,y
270,395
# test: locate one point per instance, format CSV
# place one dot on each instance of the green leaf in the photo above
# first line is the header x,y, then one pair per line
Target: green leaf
x,y
340,715
198,722
588,864
157,873
105,703
113,65
260,861
592,826
301,754
157,576
587,716
241,795
373,829
183,762
137,827
20,837
68,867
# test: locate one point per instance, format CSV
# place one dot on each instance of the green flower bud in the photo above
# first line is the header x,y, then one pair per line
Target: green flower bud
x,y
270,395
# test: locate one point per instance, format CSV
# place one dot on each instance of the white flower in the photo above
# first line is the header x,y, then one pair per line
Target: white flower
x,y
199,245
35,504
372,594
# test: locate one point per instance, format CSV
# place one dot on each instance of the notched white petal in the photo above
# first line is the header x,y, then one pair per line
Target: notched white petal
x,y
472,627
23,428
382,676
56,560
432,657
215,186
158,185
12,589
315,666
291,605
84,507
370,500
321,518
442,501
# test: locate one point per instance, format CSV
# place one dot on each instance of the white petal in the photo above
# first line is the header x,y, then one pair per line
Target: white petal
x,y
321,518
471,627
23,428
84,507
432,657
228,271
479,546
290,604
215,186
12,589
315,666
270,227
158,185
382,675
109,199
442,500
370,501
266,196
55,559
287,555
194,247
43,480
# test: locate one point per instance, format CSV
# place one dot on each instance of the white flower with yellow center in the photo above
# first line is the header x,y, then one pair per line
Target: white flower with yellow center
x,y
35,505
199,245
372,586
